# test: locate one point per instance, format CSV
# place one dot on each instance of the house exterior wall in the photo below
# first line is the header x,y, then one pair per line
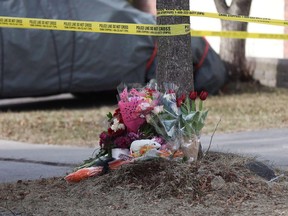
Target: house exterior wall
x,y
286,30
262,48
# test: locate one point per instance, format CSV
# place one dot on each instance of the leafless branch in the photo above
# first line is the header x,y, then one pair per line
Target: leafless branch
x,y
221,6
211,138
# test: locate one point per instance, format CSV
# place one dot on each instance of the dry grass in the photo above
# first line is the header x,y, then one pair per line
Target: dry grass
x,y
251,109
248,111
65,126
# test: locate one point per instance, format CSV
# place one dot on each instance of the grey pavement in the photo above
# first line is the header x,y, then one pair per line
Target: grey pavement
x,y
21,161
269,145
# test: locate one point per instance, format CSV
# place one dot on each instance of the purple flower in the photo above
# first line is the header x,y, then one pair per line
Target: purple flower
x,y
103,138
133,136
122,142
159,140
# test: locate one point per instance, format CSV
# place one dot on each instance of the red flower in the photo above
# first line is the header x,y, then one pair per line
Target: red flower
x,y
149,92
193,95
203,95
115,133
181,100
122,142
117,115
103,138
117,112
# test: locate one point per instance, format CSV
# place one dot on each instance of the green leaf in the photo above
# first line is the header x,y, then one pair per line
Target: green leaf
x,y
183,110
190,116
188,106
109,116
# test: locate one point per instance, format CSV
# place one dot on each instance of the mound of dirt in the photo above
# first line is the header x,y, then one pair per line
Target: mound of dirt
x,y
219,184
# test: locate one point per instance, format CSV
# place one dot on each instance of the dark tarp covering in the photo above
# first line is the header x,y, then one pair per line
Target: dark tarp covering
x,y
210,73
44,62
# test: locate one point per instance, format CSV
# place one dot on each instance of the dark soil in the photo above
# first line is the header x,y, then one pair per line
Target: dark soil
x,y
219,184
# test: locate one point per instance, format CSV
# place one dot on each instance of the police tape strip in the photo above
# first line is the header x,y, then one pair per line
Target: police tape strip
x,y
238,35
96,27
222,16
125,28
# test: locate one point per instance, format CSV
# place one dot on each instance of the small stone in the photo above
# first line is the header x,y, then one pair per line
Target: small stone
x,y
217,183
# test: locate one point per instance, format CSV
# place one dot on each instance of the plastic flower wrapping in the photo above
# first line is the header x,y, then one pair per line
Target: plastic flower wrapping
x,y
148,124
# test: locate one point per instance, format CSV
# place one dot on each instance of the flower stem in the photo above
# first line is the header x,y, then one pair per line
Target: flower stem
x,y
200,105
193,105
110,152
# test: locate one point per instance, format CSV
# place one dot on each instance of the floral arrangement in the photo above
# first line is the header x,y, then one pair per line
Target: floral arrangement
x,y
147,124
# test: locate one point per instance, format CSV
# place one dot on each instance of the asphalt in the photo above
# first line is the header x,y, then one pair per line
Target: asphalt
x,y
22,161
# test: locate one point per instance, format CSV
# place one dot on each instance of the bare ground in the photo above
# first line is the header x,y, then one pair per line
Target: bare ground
x,y
220,184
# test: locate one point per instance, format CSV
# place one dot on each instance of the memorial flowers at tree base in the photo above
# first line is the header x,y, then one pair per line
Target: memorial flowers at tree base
x,y
148,124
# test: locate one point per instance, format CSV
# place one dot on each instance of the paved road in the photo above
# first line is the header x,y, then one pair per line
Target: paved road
x,y
30,161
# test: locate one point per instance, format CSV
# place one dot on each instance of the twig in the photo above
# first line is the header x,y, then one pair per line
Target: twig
x,y
212,138
7,208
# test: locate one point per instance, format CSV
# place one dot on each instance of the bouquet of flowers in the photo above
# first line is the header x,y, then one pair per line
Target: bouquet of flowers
x,y
149,123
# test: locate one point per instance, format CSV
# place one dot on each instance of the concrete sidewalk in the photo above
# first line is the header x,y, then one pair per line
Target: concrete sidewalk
x,y
30,161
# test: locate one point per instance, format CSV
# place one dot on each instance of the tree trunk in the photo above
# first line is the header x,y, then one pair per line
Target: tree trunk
x,y
148,6
175,63
232,51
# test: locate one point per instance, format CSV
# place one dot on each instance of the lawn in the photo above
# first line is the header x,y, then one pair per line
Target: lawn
x,y
251,108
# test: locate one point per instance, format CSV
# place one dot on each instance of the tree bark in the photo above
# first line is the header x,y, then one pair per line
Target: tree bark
x,y
148,6
175,63
232,51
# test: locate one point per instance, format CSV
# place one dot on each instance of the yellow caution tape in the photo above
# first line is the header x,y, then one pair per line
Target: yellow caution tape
x,y
238,34
125,28
230,17
97,27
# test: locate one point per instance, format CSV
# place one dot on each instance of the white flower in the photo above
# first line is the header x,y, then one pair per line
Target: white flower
x,y
148,118
144,106
121,126
116,125
158,109
168,97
